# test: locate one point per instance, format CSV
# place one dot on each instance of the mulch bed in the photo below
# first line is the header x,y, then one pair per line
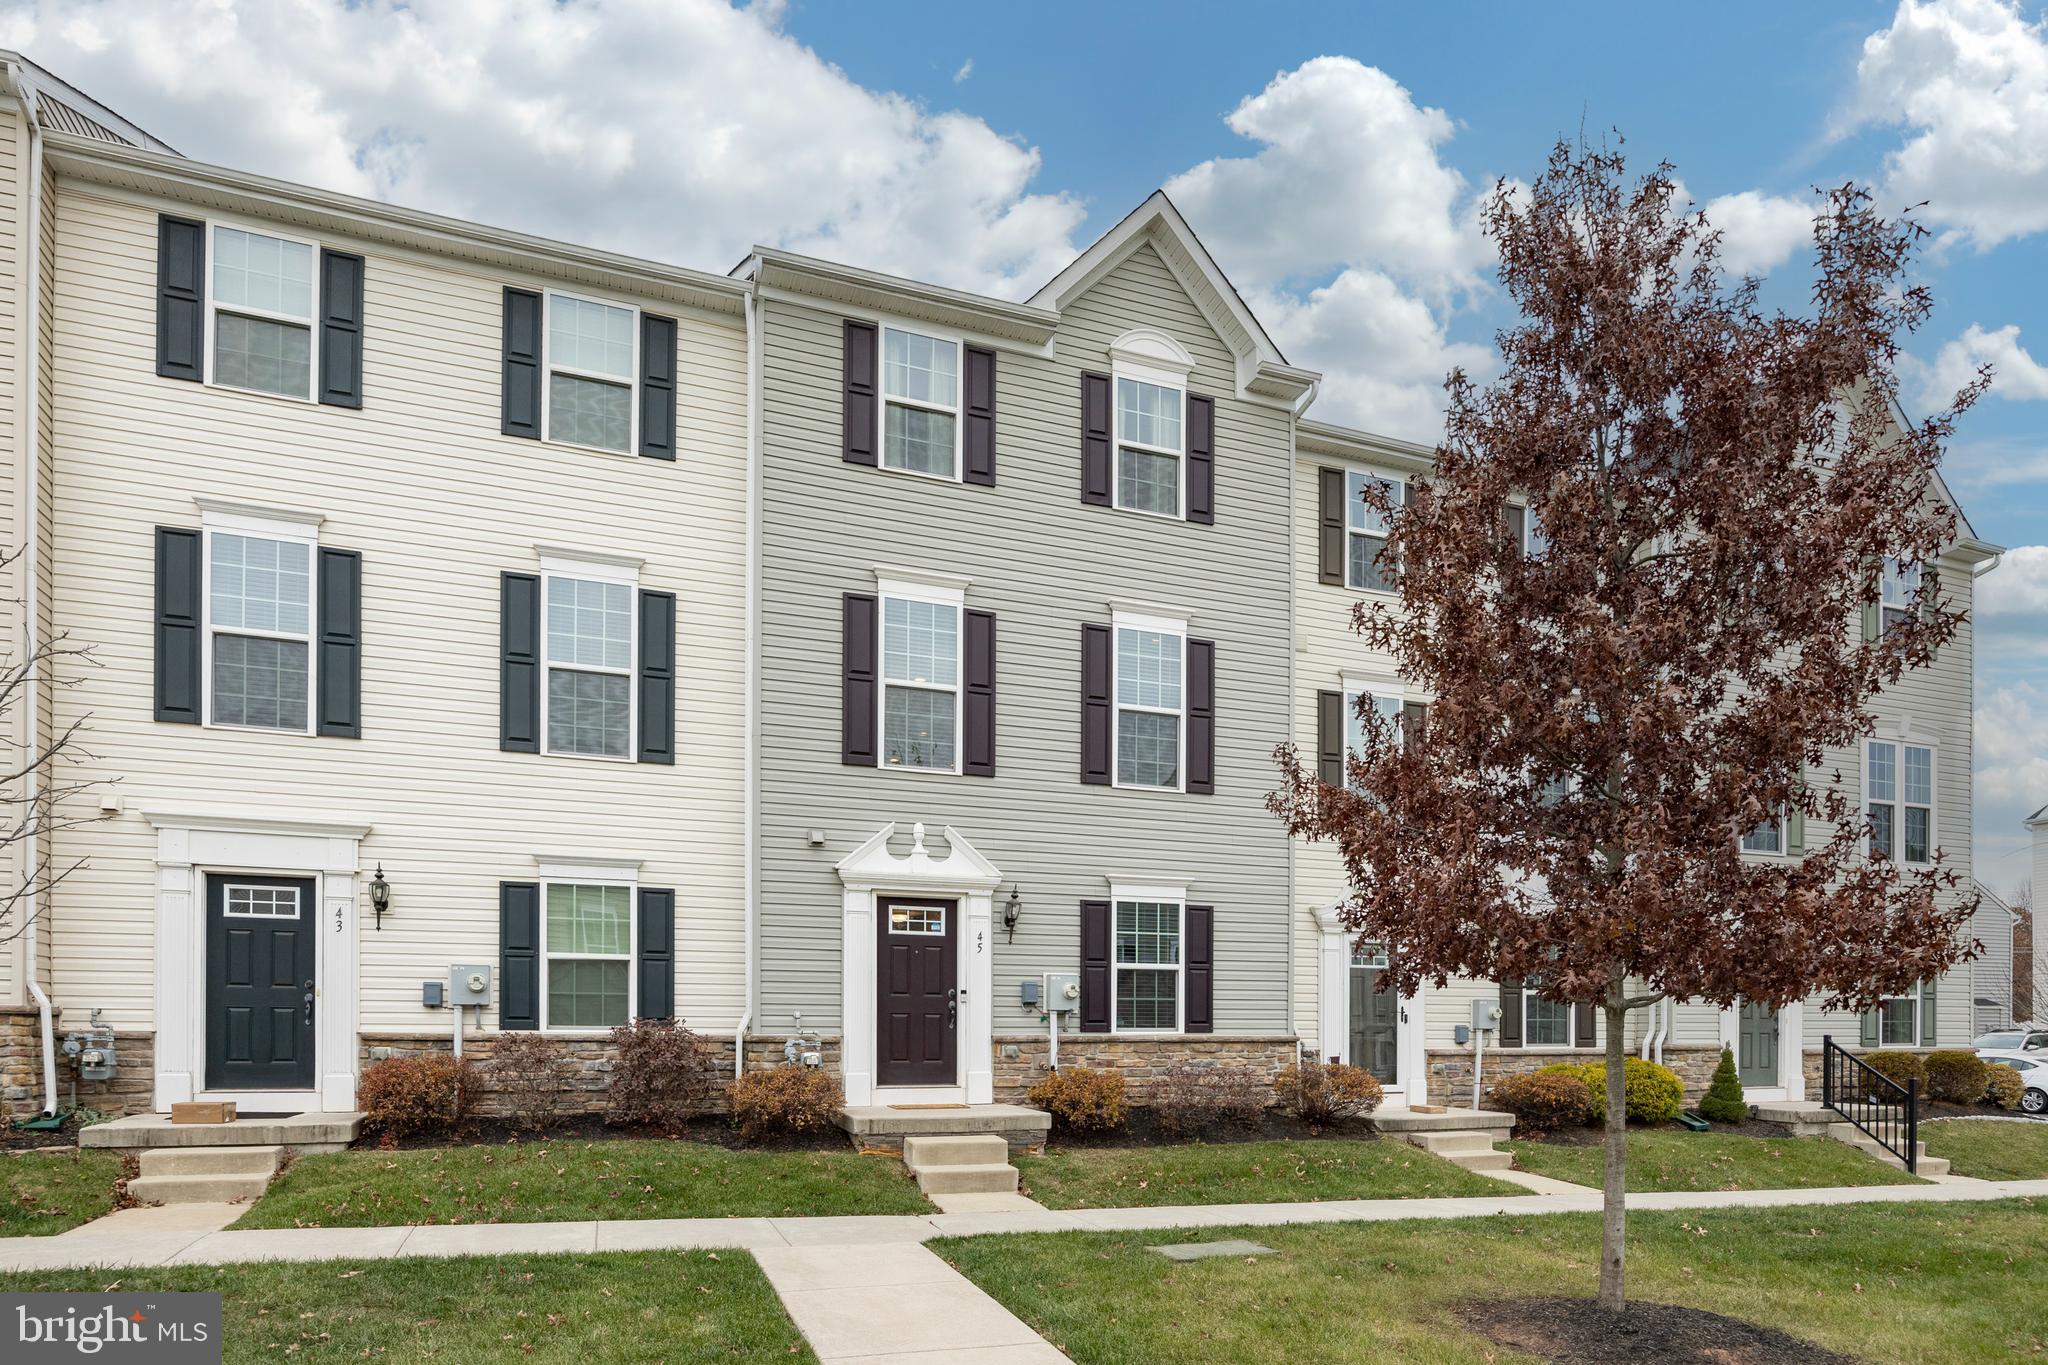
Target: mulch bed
x,y
713,1129
1142,1130
1580,1332
1594,1136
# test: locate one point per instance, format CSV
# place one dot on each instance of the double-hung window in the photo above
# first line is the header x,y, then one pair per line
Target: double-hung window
x,y
1151,702
1895,596
1545,1023
260,312
259,623
1151,443
1768,837
1366,533
1386,705
920,678
1147,988
1898,1020
587,957
587,629
920,403
1898,785
592,355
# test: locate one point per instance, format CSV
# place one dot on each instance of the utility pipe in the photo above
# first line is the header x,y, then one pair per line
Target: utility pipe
x,y
750,837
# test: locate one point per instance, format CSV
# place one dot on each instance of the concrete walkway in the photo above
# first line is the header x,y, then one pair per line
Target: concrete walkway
x,y
839,1296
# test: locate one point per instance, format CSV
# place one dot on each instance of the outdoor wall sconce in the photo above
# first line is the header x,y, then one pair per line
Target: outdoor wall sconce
x,y
1013,910
380,895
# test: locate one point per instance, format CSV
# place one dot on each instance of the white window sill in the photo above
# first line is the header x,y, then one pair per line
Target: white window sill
x,y
1146,512
582,449
304,400
588,758
917,473
257,729
911,768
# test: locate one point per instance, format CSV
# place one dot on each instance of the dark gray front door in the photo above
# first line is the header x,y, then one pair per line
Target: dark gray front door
x,y
259,983
1756,1046
1375,1021
917,998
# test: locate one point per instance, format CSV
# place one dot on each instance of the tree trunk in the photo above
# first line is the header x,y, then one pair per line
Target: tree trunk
x,y
1613,1204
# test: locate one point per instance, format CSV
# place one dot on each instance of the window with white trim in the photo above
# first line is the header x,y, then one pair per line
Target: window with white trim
x,y
588,627
259,311
1768,837
259,628
261,902
593,356
1366,532
1151,441
1545,1023
1146,993
920,403
1895,596
1386,705
1151,704
1898,1020
587,954
1898,789
920,683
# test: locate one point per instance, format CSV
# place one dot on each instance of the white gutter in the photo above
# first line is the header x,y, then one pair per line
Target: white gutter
x,y
31,347
751,837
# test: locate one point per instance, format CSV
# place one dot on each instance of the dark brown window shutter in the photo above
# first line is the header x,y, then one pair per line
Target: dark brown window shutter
x,y
978,436
1511,1012
1094,966
1202,717
978,696
1583,1025
859,677
1095,707
1199,1010
1330,737
1330,526
862,412
1095,421
1201,460
1414,722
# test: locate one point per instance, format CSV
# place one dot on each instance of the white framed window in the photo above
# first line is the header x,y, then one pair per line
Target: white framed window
x,y
1898,1020
1151,701
927,920
1145,987
1768,838
260,297
1898,796
261,902
592,358
1151,442
1895,596
921,683
921,427
1547,1023
1387,703
589,641
258,641
1365,532
588,939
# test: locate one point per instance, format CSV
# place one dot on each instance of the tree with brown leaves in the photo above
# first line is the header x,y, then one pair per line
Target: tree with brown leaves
x,y
1718,489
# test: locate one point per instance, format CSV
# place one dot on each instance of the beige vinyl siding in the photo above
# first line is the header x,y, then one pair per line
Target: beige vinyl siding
x,y
439,503
13,268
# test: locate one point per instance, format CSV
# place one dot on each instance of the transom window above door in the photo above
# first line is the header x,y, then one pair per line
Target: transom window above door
x,y
591,358
920,683
920,403
1151,443
259,607
588,627
260,309
1366,532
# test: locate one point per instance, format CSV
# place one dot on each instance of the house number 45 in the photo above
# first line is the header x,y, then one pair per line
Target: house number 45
x,y
977,942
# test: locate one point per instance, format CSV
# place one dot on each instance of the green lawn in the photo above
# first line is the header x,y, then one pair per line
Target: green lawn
x,y
1674,1160
1933,1284
49,1193
1245,1173
541,1182
1989,1151
616,1309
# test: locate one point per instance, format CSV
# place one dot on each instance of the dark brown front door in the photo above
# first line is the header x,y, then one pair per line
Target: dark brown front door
x,y
917,1003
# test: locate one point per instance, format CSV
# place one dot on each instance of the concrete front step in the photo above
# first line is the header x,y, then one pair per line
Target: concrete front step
x,y
309,1132
197,1189
1482,1161
260,1161
1401,1122
884,1128
984,1149
979,1179
1923,1164
1471,1151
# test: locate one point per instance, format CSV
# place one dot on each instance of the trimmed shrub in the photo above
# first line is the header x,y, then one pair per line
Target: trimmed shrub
x,y
1654,1093
1544,1100
1898,1066
423,1096
1956,1076
1327,1092
530,1072
1082,1100
785,1099
662,1076
2002,1085
1723,1102
1191,1100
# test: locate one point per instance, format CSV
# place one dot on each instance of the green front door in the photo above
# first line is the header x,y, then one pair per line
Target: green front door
x,y
1756,1046
1375,1020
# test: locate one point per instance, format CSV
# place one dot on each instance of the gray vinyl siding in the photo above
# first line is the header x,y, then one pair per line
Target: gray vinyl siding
x,y
1044,563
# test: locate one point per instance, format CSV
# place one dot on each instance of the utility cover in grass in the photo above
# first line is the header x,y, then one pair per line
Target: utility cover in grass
x,y
1202,1251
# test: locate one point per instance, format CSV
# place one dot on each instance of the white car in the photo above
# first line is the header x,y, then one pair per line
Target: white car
x,y
2033,1069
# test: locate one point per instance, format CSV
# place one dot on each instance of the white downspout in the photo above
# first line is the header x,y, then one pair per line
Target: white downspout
x,y
31,346
750,839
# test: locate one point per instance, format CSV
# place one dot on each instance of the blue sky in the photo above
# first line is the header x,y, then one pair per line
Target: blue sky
x,y
1329,155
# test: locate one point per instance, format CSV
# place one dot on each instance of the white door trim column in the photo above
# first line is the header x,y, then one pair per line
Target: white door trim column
x,y
1791,1047
1333,1015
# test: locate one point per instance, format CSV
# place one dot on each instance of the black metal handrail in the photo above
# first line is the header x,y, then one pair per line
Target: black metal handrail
x,y
1882,1110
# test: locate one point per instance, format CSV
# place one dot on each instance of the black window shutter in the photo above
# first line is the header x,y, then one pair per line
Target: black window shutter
x,y
1095,420
657,677
978,437
1330,526
657,387
1201,460
341,644
341,329
519,663
1202,717
522,364
177,625
1199,1011
1095,707
1584,1025
1511,1012
859,675
519,955
861,411
1094,966
657,960
1330,737
180,298
978,696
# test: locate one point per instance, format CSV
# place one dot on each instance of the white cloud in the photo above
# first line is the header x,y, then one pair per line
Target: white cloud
x,y
1760,232
2012,778
2012,612
966,70
1969,80
682,130
2015,373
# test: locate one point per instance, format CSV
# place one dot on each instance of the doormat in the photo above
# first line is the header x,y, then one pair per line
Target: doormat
x,y
927,1106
